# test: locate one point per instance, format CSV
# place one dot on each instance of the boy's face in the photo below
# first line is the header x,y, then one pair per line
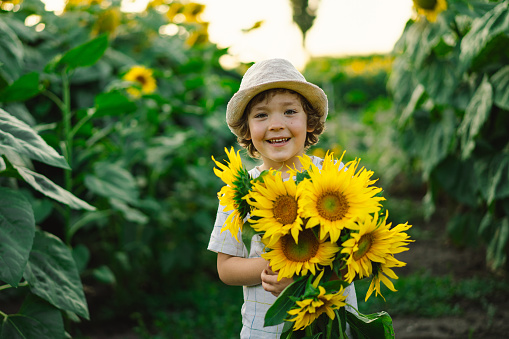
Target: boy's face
x,y
278,127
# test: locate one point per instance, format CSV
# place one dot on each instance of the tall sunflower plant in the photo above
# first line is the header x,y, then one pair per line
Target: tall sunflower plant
x,y
324,229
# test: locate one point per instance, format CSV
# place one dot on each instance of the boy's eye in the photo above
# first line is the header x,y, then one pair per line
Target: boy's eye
x,y
260,115
290,111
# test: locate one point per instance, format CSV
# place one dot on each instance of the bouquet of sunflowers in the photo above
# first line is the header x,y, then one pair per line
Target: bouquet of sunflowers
x,y
325,229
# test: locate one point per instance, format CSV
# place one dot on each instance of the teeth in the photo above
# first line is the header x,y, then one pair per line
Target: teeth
x,y
272,141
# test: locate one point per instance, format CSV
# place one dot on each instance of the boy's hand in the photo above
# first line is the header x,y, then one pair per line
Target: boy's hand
x,y
270,283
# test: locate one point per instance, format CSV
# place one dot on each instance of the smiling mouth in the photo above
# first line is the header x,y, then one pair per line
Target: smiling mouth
x,y
278,141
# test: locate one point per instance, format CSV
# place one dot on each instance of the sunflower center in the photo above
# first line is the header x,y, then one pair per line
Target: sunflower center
x,y
285,209
365,243
332,206
141,79
426,4
305,250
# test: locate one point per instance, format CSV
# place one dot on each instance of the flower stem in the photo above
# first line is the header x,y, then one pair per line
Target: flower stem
x,y
329,329
309,331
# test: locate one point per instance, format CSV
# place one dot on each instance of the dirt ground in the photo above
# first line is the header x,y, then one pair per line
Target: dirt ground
x,y
439,257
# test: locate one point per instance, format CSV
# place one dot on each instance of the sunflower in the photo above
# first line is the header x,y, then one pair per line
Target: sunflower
x,y
374,242
192,11
141,77
275,207
335,198
313,306
380,272
233,194
107,22
430,8
291,257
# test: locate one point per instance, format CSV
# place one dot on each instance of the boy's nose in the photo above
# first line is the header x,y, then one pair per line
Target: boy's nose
x,y
276,123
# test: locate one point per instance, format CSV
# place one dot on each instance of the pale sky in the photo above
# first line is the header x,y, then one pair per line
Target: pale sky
x,y
341,28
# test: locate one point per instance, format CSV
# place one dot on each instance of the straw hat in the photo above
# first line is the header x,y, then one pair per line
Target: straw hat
x,y
268,74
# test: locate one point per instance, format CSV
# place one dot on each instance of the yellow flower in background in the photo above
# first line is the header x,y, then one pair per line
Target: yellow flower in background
x,y
233,194
199,35
155,3
175,8
335,198
81,3
107,22
318,152
336,149
290,257
192,12
275,208
374,242
13,2
430,8
311,308
143,78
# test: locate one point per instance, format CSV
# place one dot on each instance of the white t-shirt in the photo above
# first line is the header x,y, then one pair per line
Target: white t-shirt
x,y
256,300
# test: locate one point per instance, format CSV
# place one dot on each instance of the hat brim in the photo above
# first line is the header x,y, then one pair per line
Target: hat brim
x,y
313,94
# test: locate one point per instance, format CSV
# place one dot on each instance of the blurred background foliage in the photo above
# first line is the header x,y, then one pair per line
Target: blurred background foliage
x,y
134,104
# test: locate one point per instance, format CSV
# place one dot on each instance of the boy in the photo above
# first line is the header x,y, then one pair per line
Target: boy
x,y
276,115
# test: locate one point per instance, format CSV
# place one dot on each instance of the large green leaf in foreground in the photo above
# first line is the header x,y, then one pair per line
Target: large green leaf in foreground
x,y
36,319
18,137
52,274
17,228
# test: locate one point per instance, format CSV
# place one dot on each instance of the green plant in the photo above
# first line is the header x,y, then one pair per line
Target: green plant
x,y
142,161
421,294
450,84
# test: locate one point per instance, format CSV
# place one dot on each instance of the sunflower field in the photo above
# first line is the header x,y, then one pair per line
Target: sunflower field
x,y
109,118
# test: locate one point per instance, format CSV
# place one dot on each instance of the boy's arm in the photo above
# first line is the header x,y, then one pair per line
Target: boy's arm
x,y
240,271
248,272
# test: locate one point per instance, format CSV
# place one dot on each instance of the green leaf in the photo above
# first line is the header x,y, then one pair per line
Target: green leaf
x,y
22,89
463,228
3,165
86,54
113,181
18,137
129,213
498,186
52,190
52,274
248,233
477,113
113,103
36,319
17,229
11,54
278,312
458,178
42,207
81,256
477,43
500,83
439,78
412,105
104,275
497,247
441,137
368,326
86,219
